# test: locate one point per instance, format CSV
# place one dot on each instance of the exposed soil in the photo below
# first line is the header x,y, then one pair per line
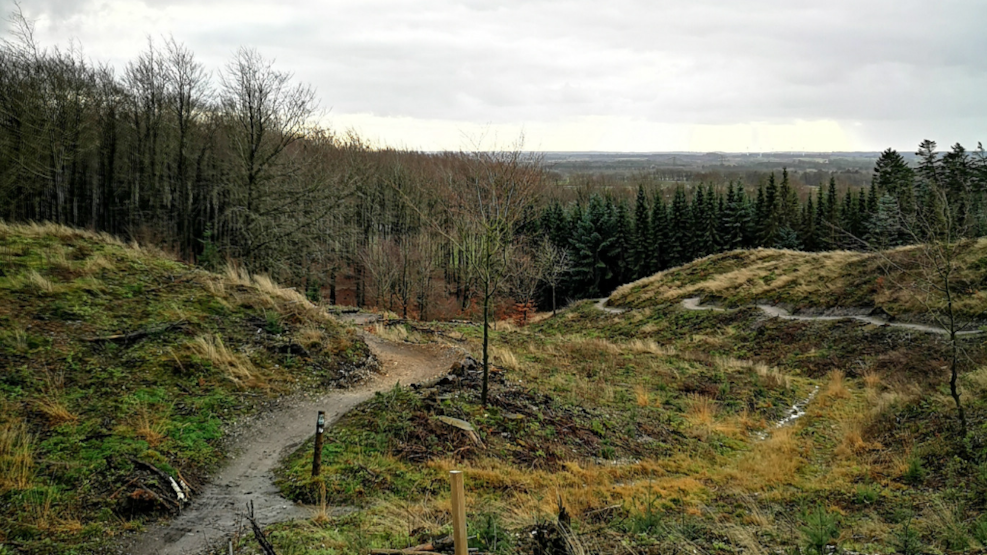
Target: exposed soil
x,y
261,444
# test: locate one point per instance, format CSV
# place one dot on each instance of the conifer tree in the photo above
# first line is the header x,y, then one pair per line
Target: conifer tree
x,y
831,221
642,243
591,249
807,232
660,251
622,266
679,226
788,203
769,218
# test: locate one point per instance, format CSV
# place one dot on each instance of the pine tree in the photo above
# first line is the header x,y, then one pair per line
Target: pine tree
x,y
885,227
770,213
642,244
698,239
831,220
807,229
788,203
623,269
659,259
747,210
591,248
760,215
679,226
732,230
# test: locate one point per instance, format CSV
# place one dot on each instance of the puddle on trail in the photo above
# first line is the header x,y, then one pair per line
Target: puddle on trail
x,y
794,413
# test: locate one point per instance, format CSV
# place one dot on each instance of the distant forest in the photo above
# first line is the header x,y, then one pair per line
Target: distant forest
x,y
232,168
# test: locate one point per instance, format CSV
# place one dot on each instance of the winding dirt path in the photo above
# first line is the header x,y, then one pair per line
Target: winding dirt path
x,y
692,303
602,305
249,474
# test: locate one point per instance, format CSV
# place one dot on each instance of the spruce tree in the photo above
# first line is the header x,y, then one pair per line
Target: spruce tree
x,y
623,266
770,214
831,220
788,203
642,244
679,226
698,245
659,258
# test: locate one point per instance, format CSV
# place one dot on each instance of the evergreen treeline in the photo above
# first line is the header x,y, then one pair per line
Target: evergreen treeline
x,y
612,242
230,167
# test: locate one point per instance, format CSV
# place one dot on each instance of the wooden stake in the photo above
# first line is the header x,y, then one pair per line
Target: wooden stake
x,y
320,426
459,513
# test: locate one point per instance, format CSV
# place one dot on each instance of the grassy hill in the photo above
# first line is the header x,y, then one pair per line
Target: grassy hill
x,y
121,370
661,430
893,282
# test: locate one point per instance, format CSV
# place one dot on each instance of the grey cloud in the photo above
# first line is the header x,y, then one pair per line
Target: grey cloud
x,y
703,61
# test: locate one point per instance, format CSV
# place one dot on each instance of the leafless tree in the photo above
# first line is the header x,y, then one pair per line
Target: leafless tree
x,y
554,264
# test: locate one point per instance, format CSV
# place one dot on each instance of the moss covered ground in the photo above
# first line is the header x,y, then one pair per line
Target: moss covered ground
x,y
117,360
657,430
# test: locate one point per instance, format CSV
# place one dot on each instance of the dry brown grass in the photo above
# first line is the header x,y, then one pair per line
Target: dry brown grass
x,y
55,410
835,386
237,367
641,396
95,264
770,376
16,456
872,380
701,414
50,403
505,358
48,229
38,283
648,347
771,462
807,271
528,495
149,425
311,337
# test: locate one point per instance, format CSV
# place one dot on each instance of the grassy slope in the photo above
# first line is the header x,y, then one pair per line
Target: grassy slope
x,y
812,281
75,413
655,428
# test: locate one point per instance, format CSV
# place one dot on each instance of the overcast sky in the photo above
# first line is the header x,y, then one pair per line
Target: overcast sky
x,y
620,75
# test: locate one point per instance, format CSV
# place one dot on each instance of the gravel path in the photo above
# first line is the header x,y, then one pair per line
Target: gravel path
x,y
692,303
249,474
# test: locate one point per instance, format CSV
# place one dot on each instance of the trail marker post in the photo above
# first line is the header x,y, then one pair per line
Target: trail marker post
x,y
320,427
459,513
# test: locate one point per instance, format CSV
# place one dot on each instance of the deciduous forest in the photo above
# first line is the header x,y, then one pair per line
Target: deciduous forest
x,y
233,167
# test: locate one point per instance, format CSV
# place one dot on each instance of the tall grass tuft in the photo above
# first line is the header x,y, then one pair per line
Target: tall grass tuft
x,y
237,367
16,457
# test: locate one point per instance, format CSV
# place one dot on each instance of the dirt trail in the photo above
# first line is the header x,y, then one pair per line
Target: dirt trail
x,y
692,303
248,475
602,305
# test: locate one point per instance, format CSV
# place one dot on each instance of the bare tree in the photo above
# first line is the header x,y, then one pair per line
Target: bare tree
x,y
931,270
523,276
555,263
266,115
488,194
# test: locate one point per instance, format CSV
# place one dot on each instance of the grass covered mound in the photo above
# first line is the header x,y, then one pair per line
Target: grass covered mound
x,y
121,368
658,429
894,282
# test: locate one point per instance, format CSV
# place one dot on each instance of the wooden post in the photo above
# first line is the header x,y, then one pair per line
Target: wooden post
x,y
459,513
320,426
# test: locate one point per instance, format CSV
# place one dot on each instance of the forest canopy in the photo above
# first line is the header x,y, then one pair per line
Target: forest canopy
x,y
234,167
